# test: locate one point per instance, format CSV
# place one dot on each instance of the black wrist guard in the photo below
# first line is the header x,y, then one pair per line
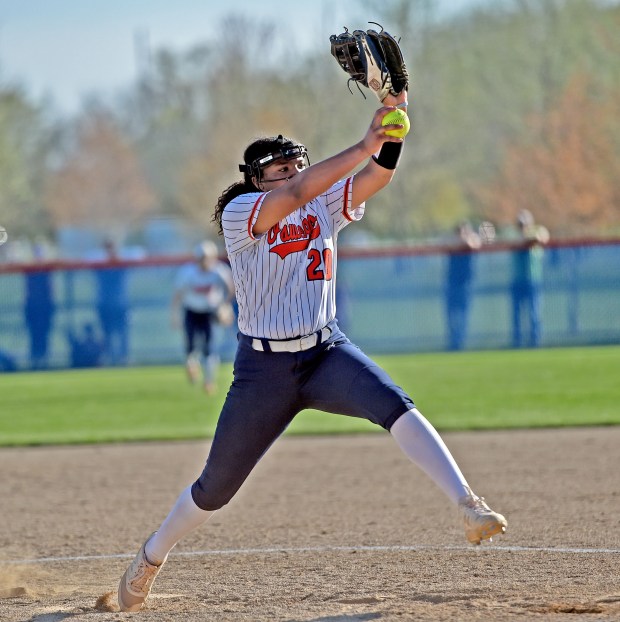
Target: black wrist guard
x,y
389,155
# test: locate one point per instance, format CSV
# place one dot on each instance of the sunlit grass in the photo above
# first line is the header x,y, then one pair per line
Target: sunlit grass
x,y
469,390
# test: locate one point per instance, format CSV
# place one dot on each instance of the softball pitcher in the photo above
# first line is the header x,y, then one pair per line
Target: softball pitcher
x,y
281,226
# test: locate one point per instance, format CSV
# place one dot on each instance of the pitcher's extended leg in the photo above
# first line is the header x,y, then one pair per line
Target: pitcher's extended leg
x,y
138,579
424,447
184,517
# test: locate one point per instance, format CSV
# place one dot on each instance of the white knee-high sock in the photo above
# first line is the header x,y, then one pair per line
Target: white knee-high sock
x,y
424,447
184,517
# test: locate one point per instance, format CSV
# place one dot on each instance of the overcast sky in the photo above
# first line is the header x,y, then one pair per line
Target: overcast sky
x,y
67,48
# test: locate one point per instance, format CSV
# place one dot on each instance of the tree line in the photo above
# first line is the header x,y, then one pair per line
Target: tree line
x,y
514,105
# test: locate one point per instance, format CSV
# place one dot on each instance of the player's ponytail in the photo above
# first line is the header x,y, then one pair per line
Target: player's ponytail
x,y
232,192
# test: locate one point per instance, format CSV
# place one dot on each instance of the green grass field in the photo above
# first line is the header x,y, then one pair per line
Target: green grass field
x,y
456,391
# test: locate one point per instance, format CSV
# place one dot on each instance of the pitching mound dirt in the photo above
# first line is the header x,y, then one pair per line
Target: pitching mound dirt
x,y
338,529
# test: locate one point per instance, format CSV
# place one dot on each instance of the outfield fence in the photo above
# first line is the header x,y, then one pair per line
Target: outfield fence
x,y
390,300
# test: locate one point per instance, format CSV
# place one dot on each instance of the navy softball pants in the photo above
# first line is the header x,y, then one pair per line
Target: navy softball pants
x,y
269,389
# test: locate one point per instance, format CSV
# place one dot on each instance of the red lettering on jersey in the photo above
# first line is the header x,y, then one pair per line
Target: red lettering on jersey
x,y
285,234
292,232
294,238
273,233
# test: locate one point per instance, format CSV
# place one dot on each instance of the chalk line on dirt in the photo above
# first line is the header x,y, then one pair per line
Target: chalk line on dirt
x,y
329,549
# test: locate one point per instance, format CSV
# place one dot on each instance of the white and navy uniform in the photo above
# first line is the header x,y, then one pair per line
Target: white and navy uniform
x,y
291,353
285,279
202,293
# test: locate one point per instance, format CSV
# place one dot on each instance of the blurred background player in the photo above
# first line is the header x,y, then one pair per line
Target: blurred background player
x,y
113,306
527,282
460,272
202,296
39,310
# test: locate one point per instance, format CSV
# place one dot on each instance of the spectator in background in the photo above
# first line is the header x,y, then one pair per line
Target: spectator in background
x,y
8,362
202,296
527,281
86,349
459,276
113,306
39,309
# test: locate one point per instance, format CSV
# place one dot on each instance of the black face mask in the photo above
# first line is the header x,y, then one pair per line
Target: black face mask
x,y
287,151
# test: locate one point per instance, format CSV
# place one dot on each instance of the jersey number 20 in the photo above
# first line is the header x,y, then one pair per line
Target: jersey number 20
x,y
314,270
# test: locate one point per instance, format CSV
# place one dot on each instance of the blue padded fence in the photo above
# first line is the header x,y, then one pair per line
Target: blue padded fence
x,y
393,300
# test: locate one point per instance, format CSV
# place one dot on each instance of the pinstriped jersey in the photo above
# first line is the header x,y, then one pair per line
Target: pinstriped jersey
x,y
285,278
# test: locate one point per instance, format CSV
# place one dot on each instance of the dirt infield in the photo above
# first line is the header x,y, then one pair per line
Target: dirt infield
x,y
337,529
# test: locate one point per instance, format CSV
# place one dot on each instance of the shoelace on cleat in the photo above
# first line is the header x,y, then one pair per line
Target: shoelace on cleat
x,y
478,504
145,576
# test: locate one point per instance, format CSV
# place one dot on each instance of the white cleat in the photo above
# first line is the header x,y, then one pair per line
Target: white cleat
x,y
137,581
481,522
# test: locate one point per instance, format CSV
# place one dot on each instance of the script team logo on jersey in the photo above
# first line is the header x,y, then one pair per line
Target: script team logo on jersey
x,y
293,238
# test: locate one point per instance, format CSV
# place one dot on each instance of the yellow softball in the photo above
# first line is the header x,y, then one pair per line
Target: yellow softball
x,y
397,117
